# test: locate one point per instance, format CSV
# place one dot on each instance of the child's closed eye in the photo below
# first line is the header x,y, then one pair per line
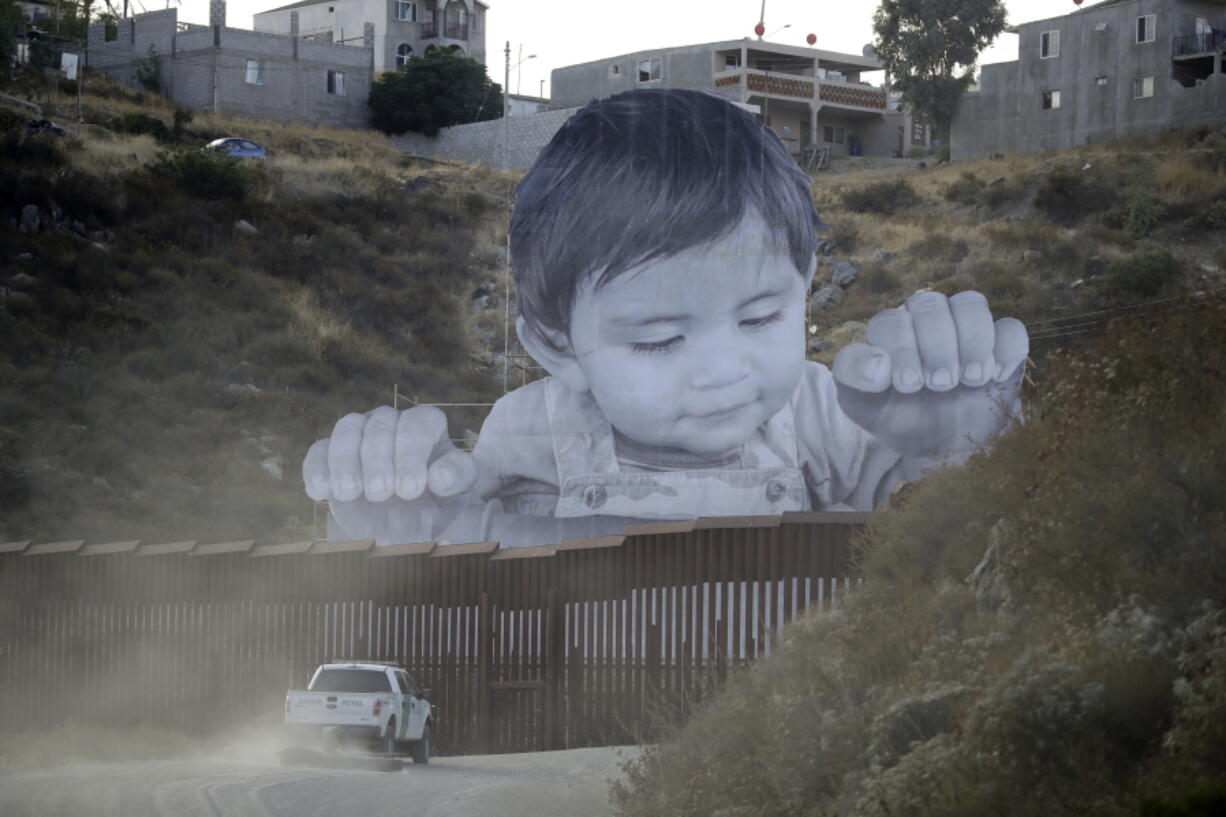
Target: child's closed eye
x,y
763,321
657,346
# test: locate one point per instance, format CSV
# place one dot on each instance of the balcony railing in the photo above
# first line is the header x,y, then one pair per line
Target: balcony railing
x,y
456,31
777,85
1206,42
429,30
859,96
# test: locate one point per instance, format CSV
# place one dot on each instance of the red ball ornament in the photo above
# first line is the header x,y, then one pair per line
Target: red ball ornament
x,y
1078,2
759,29
811,39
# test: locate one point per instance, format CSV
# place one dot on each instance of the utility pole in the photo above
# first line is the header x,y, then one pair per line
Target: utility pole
x,y
506,107
82,61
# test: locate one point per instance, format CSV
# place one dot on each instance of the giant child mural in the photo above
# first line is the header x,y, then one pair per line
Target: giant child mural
x,y
662,246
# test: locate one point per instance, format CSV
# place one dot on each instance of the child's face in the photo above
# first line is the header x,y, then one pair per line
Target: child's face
x,y
697,350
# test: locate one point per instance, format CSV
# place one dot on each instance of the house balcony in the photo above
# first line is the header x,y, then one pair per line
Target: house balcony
x,y
428,31
790,86
1199,45
456,31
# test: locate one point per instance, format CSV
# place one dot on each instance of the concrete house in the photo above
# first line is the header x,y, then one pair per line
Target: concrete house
x,y
402,28
236,71
1114,69
807,96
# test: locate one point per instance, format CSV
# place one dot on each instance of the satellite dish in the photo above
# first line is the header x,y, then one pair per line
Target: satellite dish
x,y
868,50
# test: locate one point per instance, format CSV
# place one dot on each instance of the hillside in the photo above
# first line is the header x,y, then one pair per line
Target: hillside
x,y
166,365
176,331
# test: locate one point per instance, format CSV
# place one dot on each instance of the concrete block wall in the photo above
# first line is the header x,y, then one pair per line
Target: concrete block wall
x,y
482,141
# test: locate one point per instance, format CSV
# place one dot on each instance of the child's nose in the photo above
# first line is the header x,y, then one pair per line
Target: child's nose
x,y
717,367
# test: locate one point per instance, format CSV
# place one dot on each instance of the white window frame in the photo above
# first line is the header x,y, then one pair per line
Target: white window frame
x,y
256,72
833,134
1101,80
654,70
1049,44
405,11
474,22
1143,88
402,59
1054,96
336,82
1148,22
732,61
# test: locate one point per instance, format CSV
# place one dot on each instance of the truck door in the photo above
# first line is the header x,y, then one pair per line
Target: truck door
x,y
416,709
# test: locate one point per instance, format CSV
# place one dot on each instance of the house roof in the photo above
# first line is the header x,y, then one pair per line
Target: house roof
x,y
303,3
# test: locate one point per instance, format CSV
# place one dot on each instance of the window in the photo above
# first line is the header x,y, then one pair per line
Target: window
x,y
650,70
351,680
615,71
833,135
403,52
405,10
764,65
1146,24
255,72
1100,26
336,83
1100,80
1051,100
474,23
1049,45
732,60
1143,87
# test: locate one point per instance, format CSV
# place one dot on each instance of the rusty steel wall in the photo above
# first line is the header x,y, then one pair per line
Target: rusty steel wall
x,y
590,642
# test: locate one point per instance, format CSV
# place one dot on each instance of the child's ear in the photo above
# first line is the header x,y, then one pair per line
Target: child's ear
x,y
551,349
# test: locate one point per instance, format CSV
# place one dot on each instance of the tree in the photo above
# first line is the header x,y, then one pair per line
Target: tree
x,y
930,47
434,92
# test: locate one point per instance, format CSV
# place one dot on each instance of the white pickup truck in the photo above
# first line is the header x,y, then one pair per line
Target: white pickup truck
x,y
366,704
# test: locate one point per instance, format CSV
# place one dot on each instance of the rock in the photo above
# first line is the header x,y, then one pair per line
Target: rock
x,y
16,301
921,165
882,256
30,221
1032,256
845,274
23,280
245,389
1094,267
826,246
98,245
1210,267
26,256
987,580
827,298
1080,282
244,226
1087,167
996,181
486,301
77,226
273,466
57,212
486,288
500,255
817,345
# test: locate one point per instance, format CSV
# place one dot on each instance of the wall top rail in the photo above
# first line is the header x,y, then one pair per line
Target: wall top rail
x,y
109,548
533,552
288,549
491,549
53,547
464,549
164,548
323,546
592,543
409,549
222,547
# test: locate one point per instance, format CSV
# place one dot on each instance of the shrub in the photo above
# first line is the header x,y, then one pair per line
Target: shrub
x,y
881,197
23,148
879,279
966,190
136,122
1143,274
939,246
845,235
1068,195
205,174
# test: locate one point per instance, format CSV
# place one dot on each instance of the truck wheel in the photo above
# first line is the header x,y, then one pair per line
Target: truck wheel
x,y
421,748
387,743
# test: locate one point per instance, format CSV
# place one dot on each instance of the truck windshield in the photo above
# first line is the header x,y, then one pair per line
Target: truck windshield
x,y
351,680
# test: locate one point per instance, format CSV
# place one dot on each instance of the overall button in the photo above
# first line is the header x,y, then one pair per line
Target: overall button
x,y
775,490
594,496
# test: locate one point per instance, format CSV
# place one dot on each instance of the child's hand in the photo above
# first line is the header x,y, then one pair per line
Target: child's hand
x,y
387,453
937,377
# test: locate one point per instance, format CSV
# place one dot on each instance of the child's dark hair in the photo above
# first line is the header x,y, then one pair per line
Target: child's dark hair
x,y
645,175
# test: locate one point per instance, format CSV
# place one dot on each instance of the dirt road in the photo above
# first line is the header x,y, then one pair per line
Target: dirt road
x,y
572,783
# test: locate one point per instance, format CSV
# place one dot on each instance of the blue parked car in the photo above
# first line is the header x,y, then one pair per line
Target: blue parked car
x,y
237,147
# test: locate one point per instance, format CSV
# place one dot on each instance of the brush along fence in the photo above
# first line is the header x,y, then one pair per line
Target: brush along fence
x,y
591,642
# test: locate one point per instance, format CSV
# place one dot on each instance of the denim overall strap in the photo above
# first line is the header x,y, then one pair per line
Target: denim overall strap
x,y
591,482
